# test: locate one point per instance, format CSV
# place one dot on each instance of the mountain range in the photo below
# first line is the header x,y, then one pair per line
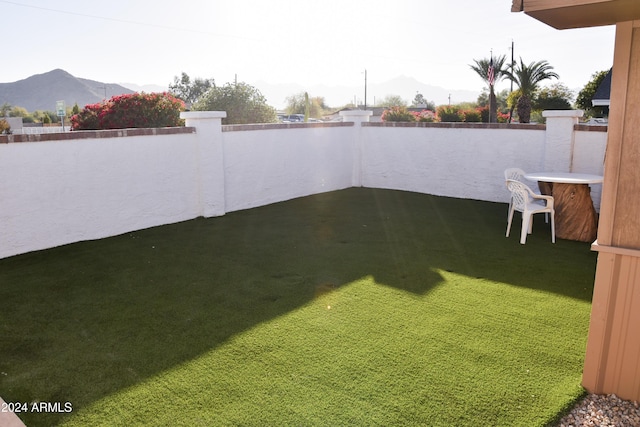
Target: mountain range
x,y
42,91
336,96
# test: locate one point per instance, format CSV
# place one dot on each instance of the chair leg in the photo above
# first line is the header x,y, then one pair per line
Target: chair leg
x,y
553,227
526,221
509,220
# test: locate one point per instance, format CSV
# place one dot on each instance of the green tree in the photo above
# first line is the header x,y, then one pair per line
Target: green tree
x,y
501,99
392,101
296,104
19,112
585,96
307,107
555,97
242,102
449,113
44,116
5,109
190,91
528,77
38,115
467,105
481,68
5,128
397,114
420,100
53,116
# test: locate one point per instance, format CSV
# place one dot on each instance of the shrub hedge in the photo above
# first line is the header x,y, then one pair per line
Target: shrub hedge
x,y
137,110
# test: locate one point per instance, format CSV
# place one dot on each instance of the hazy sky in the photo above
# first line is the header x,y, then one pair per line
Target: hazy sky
x,y
326,42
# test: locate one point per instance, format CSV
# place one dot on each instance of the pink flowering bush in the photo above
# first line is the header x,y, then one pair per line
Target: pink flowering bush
x,y
471,115
402,114
484,113
425,116
503,117
449,113
137,110
88,118
397,114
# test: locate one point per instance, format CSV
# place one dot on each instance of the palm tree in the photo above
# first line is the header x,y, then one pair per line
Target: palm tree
x,y
482,68
527,77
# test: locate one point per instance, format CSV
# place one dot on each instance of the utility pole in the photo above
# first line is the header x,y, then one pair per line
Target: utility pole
x,y
491,74
512,63
365,89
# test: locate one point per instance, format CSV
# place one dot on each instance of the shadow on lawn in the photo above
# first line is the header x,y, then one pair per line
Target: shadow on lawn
x,y
108,314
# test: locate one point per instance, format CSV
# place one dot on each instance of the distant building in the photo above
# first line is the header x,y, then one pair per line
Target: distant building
x,y
15,123
603,94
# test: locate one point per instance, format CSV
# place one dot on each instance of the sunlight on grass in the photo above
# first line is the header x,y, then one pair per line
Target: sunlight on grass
x,y
354,307
467,352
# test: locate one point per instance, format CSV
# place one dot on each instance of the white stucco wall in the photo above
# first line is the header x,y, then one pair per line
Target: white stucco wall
x,y
464,163
588,157
67,190
589,147
268,166
57,192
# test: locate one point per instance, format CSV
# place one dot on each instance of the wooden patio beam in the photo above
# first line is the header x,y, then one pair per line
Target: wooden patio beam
x,y
564,14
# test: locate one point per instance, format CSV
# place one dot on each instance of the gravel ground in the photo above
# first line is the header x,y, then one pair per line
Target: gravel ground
x,y
603,411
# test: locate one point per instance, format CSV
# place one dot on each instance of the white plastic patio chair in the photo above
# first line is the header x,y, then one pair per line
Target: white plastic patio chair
x,y
526,201
513,173
517,174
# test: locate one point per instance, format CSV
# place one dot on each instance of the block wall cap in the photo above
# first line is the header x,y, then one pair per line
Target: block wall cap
x,y
191,115
356,113
562,113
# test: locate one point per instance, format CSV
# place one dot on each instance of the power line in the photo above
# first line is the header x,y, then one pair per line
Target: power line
x,y
124,21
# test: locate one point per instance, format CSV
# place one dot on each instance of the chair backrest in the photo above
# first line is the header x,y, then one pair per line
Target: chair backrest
x,y
520,194
513,173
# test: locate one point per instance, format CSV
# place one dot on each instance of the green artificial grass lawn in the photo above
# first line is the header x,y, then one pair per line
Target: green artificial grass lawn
x,y
355,307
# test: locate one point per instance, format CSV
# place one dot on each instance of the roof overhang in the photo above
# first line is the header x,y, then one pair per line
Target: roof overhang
x,y
563,14
601,102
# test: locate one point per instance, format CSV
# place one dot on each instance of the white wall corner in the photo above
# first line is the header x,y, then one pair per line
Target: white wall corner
x,y
356,116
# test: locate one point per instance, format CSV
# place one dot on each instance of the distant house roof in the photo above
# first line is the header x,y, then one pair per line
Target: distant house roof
x,y
603,93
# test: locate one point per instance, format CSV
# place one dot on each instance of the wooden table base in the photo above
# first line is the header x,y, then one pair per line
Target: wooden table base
x,y
575,216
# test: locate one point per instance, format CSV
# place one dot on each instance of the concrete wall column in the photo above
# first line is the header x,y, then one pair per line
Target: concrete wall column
x,y
560,138
357,117
210,165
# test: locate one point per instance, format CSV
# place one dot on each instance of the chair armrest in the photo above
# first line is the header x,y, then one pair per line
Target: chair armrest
x,y
549,199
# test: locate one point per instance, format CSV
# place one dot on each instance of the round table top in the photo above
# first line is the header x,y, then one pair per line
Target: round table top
x,y
565,177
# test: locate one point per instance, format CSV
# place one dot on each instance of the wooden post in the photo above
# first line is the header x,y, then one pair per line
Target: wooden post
x,y
613,347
